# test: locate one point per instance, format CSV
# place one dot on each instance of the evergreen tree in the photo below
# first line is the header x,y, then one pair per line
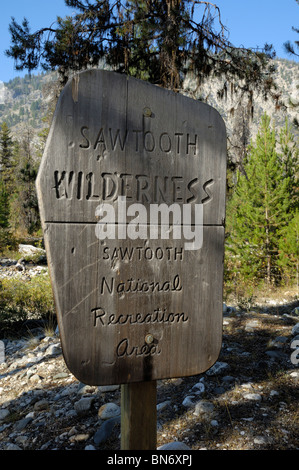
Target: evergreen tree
x,y
6,185
6,155
156,40
289,156
24,206
4,206
289,250
259,209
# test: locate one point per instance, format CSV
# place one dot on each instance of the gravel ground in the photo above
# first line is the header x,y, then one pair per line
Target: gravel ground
x,y
248,401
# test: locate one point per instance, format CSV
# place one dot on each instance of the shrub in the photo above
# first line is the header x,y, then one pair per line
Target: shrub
x,y
21,300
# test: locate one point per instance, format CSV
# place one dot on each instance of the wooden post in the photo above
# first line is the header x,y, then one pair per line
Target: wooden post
x,y
139,416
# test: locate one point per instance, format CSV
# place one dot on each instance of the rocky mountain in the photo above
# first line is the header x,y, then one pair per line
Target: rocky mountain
x,y
240,127
27,101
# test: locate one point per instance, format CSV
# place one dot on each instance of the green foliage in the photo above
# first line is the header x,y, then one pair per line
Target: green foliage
x,y
261,207
23,210
157,40
4,206
22,299
6,145
289,250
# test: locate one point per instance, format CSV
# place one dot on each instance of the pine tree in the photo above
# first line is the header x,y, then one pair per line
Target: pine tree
x,y
259,209
156,40
289,250
24,218
4,206
6,155
289,156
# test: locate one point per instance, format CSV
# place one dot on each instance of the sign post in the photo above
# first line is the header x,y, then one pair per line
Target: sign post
x,y
131,191
139,416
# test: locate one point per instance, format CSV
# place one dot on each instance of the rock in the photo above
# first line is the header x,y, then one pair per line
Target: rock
x,y
79,437
188,401
84,389
294,374
260,440
252,396
4,414
217,368
20,266
60,375
7,262
106,430
35,378
176,445
53,350
31,251
278,342
295,312
41,405
252,325
228,310
109,410
83,405
108,388
295,345
177,381
295,329
163,405
22,441
198,388
22,423
228,379
11,446
275,354
204,407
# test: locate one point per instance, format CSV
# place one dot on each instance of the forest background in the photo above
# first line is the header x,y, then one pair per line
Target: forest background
x,y
262,216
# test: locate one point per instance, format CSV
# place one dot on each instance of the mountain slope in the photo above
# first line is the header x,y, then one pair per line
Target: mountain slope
x,y
26,101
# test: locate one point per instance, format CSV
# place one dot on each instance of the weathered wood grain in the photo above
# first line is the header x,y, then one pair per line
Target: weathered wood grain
x,y
139,416
121,136
133,310
104,321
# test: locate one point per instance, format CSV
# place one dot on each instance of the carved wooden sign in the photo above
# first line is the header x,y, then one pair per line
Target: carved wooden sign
x,y
131,190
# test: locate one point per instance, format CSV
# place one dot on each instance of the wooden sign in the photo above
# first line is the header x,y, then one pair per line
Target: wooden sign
x,y
131,190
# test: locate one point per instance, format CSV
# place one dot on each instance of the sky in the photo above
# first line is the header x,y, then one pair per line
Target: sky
x,y
251,23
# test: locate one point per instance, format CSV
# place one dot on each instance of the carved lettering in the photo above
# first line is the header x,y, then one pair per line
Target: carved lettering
x,y
140,286
178,143
64,184
209,196
158,316
124,349
86,143
154,189
140,253
117,138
